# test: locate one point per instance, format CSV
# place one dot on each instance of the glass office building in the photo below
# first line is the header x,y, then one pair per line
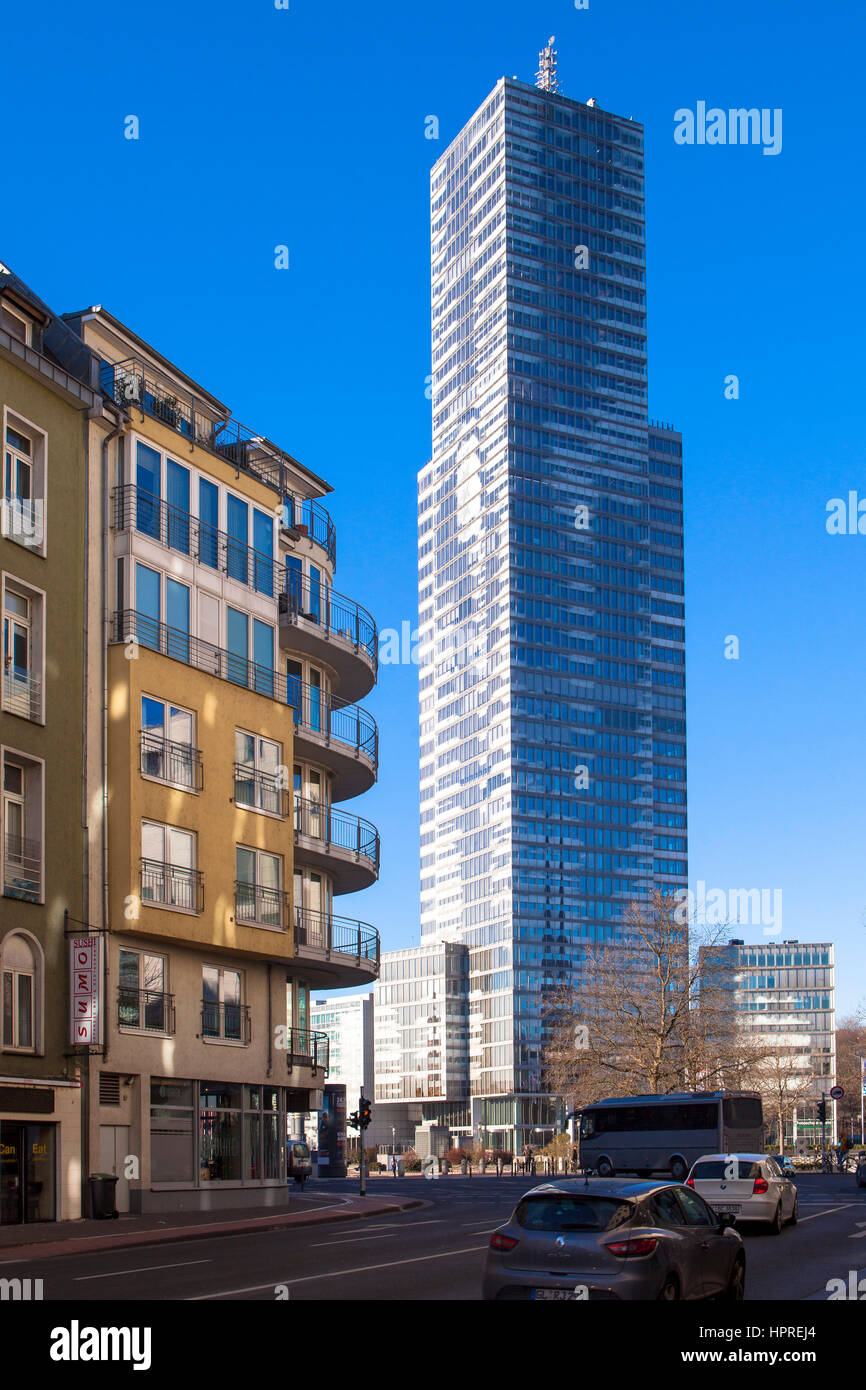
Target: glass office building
x,y
552,683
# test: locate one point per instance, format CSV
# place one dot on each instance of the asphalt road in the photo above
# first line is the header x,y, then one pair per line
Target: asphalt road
x,y
435,1251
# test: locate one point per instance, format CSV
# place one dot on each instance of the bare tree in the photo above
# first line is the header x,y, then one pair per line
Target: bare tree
x,y
652,1013
783,1083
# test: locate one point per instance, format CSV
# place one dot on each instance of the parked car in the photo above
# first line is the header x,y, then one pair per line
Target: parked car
x,y
750,1187
610,1238
787,1166
860,1171
299,1164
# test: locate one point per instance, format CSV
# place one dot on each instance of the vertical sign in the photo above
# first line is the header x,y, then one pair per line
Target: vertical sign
x,y
85,990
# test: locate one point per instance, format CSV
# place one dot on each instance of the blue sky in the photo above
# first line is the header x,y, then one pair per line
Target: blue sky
x,y
261,127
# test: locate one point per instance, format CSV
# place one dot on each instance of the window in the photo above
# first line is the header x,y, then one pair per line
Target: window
x,y
222,1013
22,827
177,492
148,474
236,526
147,605
208,510
259,899
238,638
168,872
141,996
177,619
23,662
172,1134
263,559
167,751
16,325
23,483
21,960
696,1210
257,764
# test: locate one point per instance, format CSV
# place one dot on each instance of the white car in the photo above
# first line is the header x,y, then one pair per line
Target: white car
x,y
752,1187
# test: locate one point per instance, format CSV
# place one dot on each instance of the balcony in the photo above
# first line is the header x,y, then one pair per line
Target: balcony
x,y
317,621
344,737
304,518
171,886
260,791
176,764
226,1022
137,510
22,694
22,869
129,384
258,906
347,846
336,951
146,1010
304,1048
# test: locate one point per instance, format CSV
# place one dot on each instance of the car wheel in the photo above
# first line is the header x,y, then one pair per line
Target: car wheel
x,y
604,1168
736,1290
679,1169
795,1214
777,1223
670,1290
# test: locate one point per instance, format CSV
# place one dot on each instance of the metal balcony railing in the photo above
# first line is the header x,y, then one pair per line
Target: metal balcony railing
x,y
336,615
128,384
146,1009
323,715
170,885
22,694
258,906
228,1021
177,763
307,1048
22,869
306,517
135,509
260,791
322,931
337,829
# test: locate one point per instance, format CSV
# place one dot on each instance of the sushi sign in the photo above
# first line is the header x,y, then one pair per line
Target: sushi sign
x,y
85,990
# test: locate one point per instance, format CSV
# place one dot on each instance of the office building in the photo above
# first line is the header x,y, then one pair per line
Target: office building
x,y
348,1025
551,598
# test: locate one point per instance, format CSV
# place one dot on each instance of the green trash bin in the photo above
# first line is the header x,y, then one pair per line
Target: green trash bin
x,y
102,1189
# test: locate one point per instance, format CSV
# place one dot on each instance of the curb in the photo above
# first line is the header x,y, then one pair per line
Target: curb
x,y
47,1250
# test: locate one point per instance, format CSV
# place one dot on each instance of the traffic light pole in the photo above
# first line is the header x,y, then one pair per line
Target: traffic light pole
x,y
361,1146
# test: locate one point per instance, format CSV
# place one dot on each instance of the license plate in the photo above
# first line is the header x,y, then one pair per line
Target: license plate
x,y
726,1206
557,1294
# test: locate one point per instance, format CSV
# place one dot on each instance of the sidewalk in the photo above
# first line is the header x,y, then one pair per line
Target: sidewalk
x,y
43,1241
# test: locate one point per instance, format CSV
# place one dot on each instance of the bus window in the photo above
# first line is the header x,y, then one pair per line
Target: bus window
x,y
743,1112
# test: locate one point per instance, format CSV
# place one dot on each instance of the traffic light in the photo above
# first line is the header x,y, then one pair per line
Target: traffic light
x,y
352,1121
822,1110
364,1112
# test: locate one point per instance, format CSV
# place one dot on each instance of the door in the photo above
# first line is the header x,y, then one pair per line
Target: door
x,y
711,1247
27,1173
113,1153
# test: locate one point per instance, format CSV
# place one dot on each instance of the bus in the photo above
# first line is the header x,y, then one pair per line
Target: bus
x,y
666,1134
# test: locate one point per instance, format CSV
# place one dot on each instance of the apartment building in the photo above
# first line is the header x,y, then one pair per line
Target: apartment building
x,y
223,675
45,399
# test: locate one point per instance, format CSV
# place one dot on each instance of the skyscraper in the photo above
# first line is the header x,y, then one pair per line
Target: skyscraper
x,y
552,688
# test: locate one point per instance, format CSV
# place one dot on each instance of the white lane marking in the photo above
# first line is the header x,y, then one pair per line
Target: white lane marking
x,y
352,1240
336,1273
815,1214
143,1269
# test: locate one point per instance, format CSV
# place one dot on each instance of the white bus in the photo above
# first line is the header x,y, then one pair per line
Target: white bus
x,y
652,1134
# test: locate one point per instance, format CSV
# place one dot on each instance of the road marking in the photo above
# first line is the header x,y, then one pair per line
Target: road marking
x,y
336,1273
143,1269
352,1240
844,1207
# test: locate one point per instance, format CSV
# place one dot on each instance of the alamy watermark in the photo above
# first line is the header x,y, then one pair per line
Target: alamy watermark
x,y
736,126
717,907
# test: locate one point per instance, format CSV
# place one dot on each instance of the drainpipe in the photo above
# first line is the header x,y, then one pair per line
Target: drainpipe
x,y
109,439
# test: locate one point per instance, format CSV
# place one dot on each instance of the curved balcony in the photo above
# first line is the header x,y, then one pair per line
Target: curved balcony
x,y
316,621
346,846
305,519
336,951
343,737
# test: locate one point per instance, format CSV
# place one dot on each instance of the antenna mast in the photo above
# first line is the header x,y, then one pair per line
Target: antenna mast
x,y
546,78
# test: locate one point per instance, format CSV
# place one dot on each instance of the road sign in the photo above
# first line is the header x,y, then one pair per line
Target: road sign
x,y
837,1092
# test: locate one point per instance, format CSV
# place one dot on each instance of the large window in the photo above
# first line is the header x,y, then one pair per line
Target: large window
x,y
168,872
258,887
20,961
22,826
142,999
148,490
23,483
257,763
177,491
167,743
22,649
172,1136
237,513
223,1015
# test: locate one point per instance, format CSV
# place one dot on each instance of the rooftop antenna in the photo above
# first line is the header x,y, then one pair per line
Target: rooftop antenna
x,y
546,78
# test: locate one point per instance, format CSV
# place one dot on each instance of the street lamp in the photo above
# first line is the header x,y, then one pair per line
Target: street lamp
x,y
394,1149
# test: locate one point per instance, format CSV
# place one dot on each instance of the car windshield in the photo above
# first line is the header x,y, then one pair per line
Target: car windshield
x,y
561,1213
729,1169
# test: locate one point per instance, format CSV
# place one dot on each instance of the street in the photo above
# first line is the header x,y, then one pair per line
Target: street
x,y
434,1251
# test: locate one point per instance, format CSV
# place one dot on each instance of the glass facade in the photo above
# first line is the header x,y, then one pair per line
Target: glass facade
x,y
551,621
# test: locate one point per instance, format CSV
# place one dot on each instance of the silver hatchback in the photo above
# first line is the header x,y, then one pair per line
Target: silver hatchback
x,y
607,1238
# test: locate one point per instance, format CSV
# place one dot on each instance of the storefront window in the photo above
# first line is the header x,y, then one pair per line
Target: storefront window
x,y
172,1133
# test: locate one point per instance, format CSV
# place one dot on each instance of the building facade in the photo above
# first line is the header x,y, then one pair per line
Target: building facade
x,y
783,995
551,618
45,399
348,1025
228,669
